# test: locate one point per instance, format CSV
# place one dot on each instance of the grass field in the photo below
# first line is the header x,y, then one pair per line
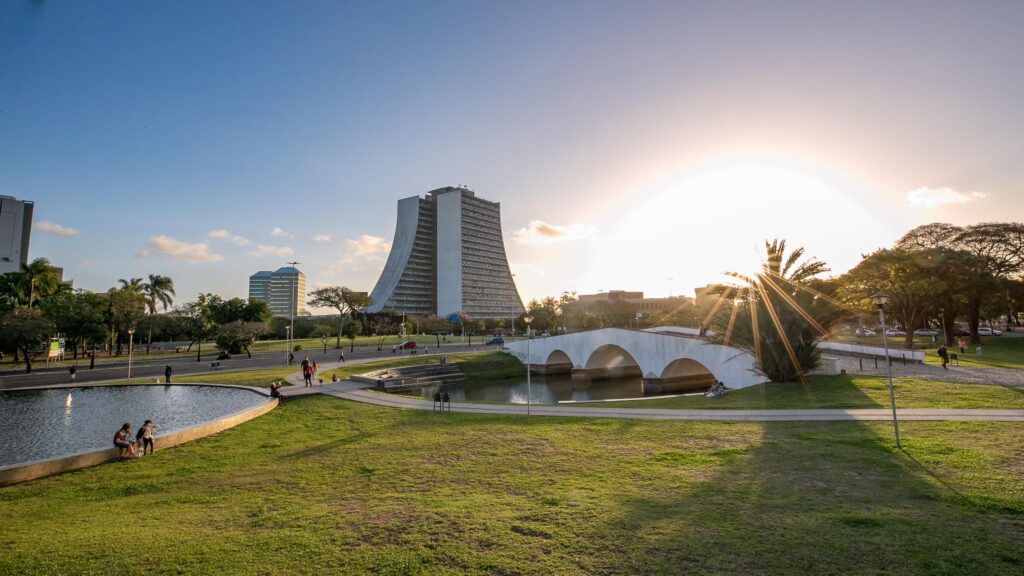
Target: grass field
x,y
324,486
997,351
848,391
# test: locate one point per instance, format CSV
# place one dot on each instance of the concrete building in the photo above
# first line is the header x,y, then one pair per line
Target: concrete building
x,y
633,299
15,233
283,290
448,256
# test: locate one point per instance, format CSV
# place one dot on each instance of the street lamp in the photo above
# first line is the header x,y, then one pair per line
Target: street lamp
x,y
879,299
528,319
131,336
287,344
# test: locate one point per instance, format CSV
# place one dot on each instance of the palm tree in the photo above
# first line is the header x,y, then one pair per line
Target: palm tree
x,y
159,290
787,315
39,274
133,285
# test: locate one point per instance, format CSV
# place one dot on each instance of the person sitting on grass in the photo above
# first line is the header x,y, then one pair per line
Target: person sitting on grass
x,y
123,440
334,377
717,390
275,391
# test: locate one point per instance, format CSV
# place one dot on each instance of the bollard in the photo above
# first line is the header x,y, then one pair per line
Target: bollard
x,y
904,359
876,362
861,360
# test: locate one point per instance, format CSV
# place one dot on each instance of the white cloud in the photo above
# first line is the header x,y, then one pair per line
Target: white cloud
x,y
366,247
52,228
235,239
264,250
279,232
540,232
178,250
322,238
319,285
933,197
526,268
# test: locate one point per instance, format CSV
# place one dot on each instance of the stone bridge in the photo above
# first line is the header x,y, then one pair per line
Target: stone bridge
x,y
666,362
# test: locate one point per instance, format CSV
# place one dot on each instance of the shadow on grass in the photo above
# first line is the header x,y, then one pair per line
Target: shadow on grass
x,y
816,498
317,449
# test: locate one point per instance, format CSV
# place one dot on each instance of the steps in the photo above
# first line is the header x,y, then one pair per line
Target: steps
x,y
409,378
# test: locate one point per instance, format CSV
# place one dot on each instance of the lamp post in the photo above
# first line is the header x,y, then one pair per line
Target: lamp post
x,y
528,319
879,299
287,344
294,297
131,336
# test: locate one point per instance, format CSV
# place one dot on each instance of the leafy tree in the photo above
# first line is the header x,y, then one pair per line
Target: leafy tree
x,y
324,333
777,314
237,336
345,301
79,315
25,330
126,306
352,331
12,290
159,290
40,278
545,313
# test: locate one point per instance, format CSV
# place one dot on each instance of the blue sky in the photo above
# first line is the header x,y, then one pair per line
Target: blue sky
x,y
619,128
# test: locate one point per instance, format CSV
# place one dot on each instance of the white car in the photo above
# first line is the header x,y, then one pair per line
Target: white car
x,y
926,332
989,332
865,332
895,332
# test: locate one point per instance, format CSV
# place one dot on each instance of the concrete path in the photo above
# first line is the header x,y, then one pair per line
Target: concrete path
x,y
963,374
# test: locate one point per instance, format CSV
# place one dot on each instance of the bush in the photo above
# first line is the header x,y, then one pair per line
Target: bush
x,y
297,347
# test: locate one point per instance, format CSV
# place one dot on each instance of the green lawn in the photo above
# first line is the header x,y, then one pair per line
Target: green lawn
x,y
848,391
997,351
324,486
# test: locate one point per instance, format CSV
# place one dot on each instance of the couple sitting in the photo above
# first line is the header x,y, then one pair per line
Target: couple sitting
x,y
717,390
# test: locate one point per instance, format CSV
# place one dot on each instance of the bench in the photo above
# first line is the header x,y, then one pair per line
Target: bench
x,y
214,366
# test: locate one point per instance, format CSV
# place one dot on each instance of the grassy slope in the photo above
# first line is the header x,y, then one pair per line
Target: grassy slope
x,y
997,351
326,486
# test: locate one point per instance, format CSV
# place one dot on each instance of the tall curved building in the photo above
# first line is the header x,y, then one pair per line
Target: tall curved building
x,y
448,256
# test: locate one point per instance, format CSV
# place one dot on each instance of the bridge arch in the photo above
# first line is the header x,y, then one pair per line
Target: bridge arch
x,y
609,361
558,362
685,374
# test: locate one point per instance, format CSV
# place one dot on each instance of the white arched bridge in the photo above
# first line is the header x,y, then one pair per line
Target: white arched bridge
x,y
667,362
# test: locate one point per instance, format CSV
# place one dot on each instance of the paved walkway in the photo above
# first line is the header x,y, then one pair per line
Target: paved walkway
x,y
963,374
358,392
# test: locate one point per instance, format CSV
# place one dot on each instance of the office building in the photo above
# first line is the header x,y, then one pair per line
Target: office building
x,y
15,233
283,290
448,256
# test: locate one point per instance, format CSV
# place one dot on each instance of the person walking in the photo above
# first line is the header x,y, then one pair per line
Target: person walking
x,y
944,354
341,357
72,370
313,369
962,345
167,374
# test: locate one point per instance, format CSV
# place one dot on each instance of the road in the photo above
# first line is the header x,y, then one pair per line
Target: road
x,y
146,370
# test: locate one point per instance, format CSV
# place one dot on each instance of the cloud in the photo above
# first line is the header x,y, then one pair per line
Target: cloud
x,y
279,232
223,234
540,232
50,227
178,250
526,268
322,238
366,247
264,250
933,197
319,285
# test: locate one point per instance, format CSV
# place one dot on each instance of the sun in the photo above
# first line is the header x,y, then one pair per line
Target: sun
x,y
696,224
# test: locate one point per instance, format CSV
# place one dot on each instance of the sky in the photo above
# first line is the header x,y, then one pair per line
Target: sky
x,y
632,145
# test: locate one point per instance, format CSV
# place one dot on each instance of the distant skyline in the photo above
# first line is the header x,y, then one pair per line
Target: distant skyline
x,y
628,143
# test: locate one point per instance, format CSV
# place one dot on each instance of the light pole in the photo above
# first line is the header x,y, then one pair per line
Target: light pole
x,y
131,336
294,293
287,344
528,319
879,299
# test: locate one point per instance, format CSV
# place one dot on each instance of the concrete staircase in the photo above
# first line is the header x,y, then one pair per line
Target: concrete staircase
x,y
410,378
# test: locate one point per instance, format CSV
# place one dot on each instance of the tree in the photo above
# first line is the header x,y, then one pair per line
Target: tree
x,y
777,314
12,290
40,277
159,290
237,336
545,313
126,306
345,301
324,333
352,330
26,331
78,315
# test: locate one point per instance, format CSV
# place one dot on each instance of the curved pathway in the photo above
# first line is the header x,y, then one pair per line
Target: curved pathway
x,y
1010,377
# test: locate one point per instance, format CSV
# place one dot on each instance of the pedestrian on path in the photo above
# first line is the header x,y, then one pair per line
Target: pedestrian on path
x,y
961,344
72,370
313,369
167,374
341,357
944,354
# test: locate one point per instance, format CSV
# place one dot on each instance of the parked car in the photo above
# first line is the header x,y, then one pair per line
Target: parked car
x,y
926,332
545,334
960,332
989,332
407,345
496,341
895,332
865,332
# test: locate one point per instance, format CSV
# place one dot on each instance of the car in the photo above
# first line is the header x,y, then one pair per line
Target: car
x,y
895,332
865,332
495,341
545,334
925,332
407,345
960,332
989,332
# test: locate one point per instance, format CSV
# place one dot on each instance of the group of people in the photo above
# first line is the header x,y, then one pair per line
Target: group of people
x,y
135,447
717,390
309,371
